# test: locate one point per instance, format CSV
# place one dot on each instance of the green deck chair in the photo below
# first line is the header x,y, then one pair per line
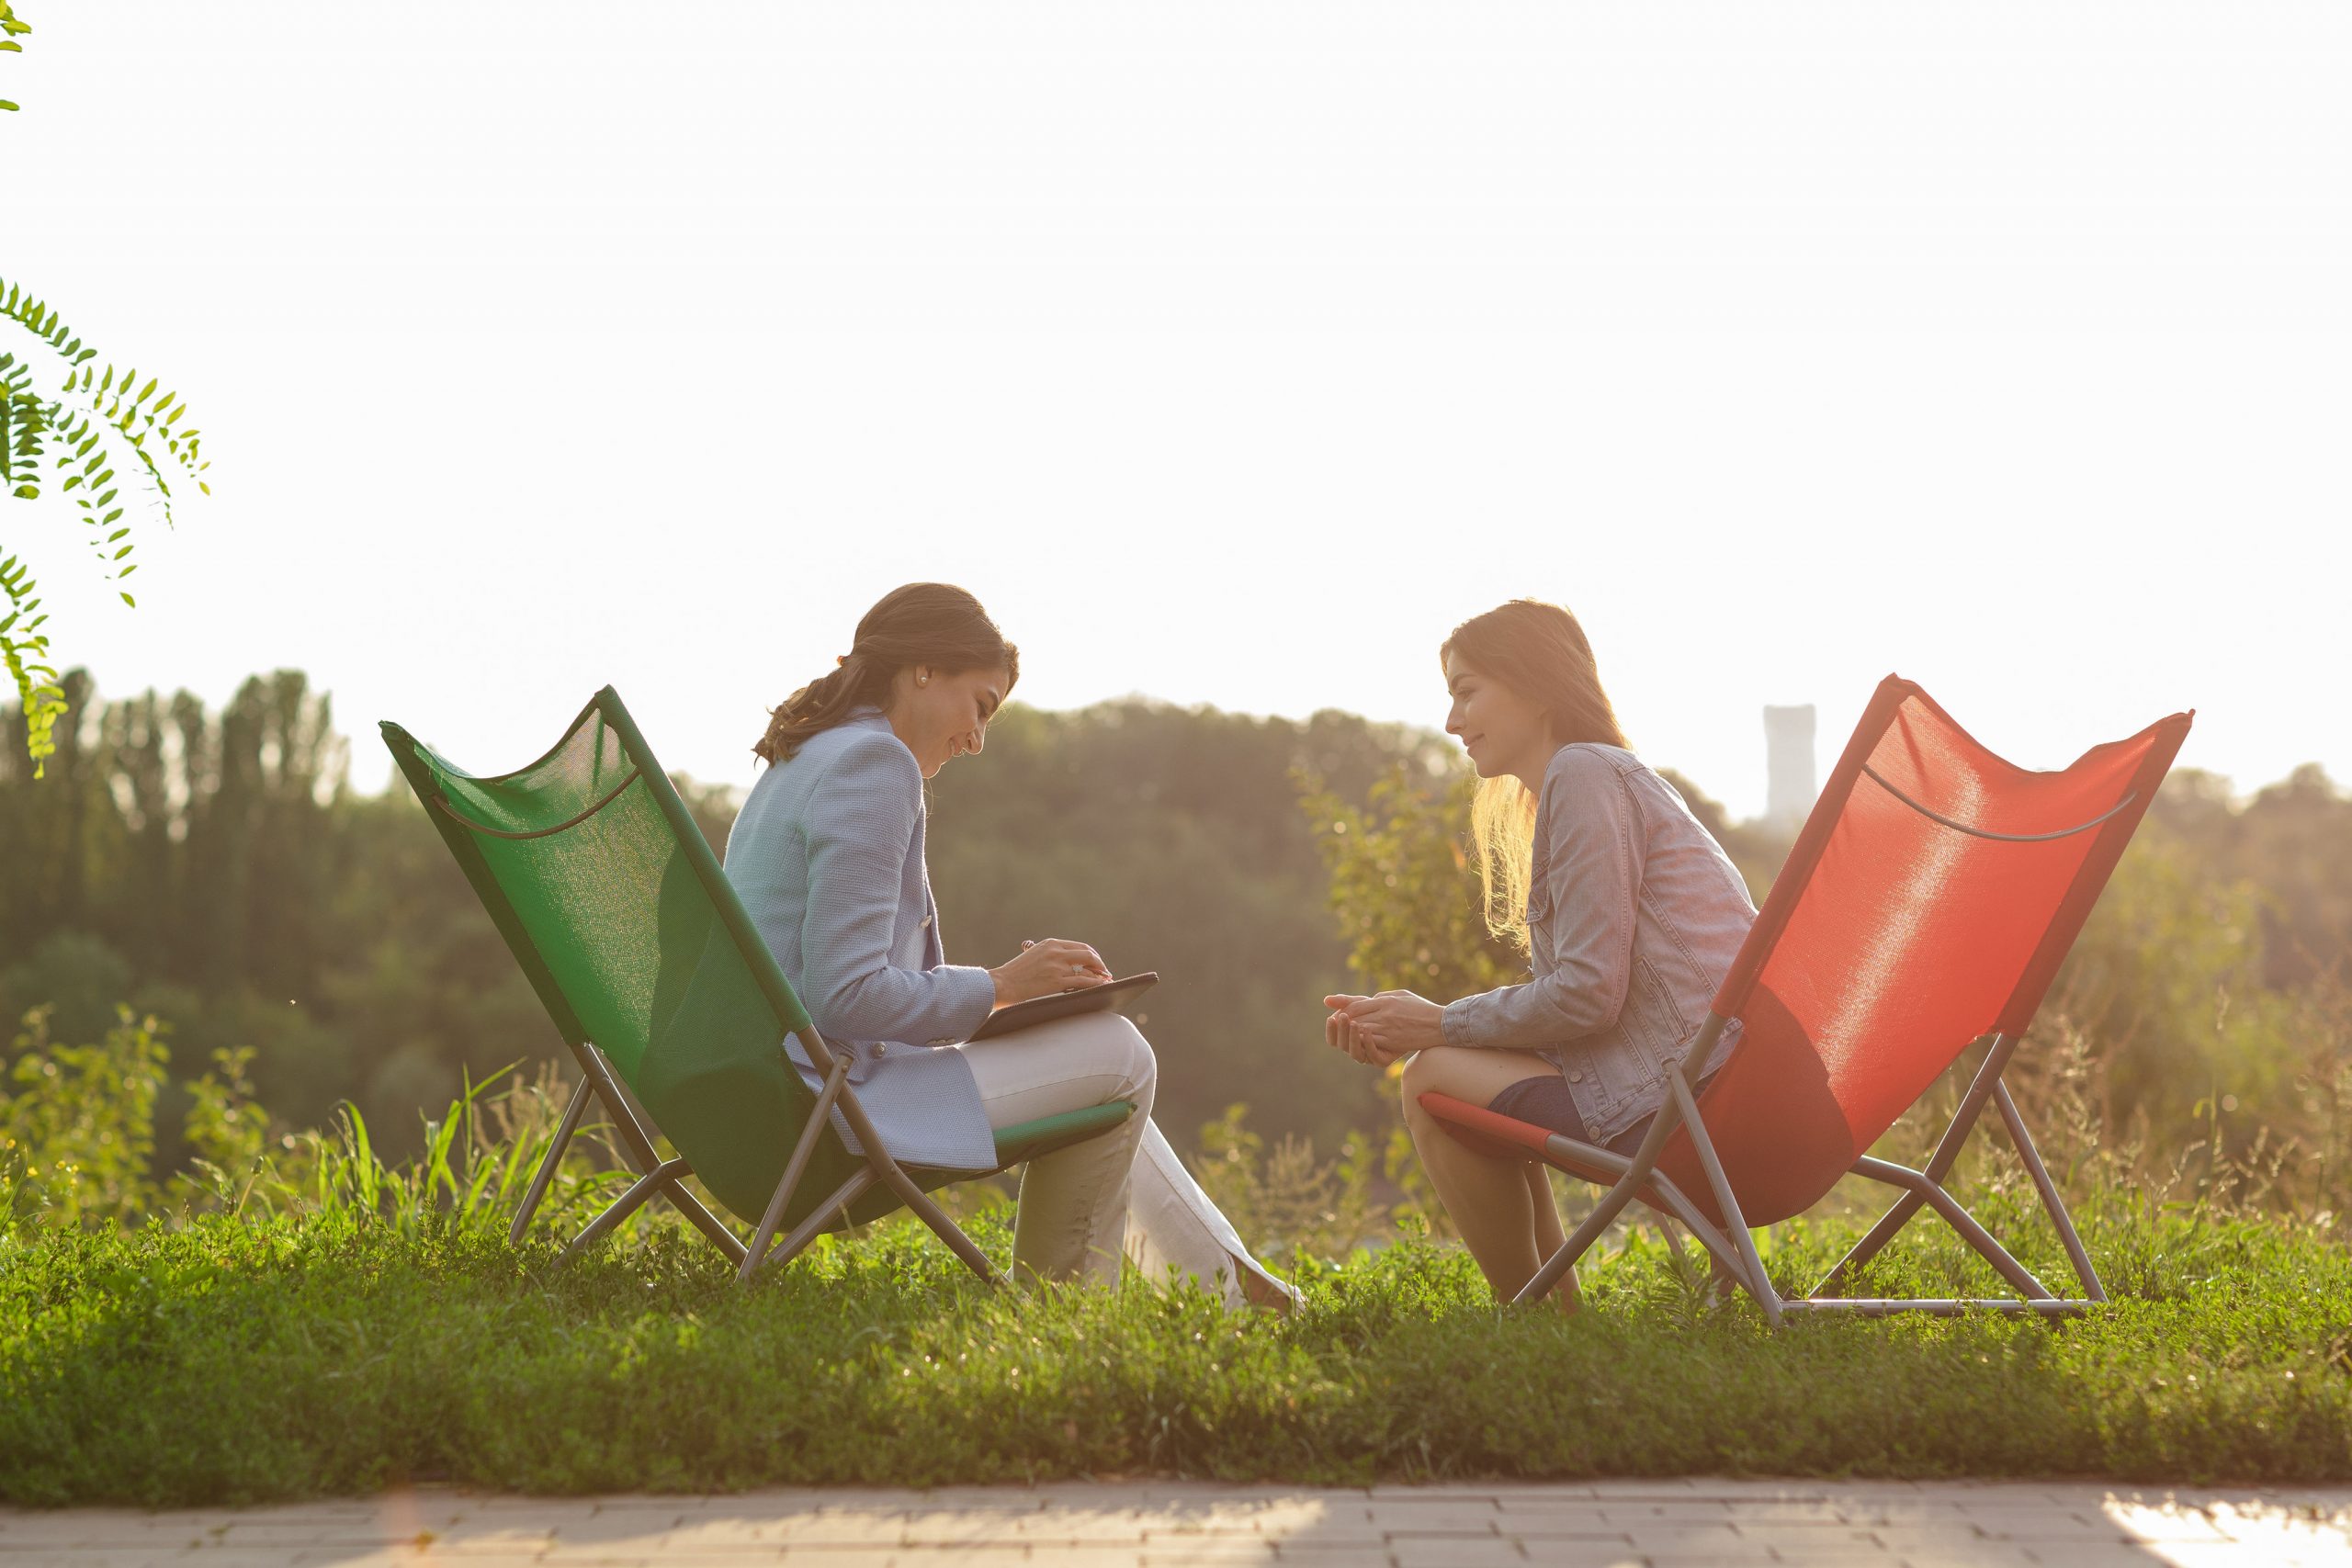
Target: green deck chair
x,y
673,1006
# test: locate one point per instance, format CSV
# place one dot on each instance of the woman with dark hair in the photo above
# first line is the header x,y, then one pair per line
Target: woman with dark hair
x,y
1629,911
828,855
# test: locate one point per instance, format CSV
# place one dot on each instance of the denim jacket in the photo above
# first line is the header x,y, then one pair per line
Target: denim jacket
x,y
1634,915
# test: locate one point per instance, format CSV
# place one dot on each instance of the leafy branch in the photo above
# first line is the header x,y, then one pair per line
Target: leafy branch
x,y
76,432
79,432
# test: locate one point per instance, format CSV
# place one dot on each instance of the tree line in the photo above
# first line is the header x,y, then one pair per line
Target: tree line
x,y
217,870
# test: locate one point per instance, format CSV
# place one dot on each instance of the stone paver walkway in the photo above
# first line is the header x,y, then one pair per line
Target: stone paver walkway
x,y
1141,1525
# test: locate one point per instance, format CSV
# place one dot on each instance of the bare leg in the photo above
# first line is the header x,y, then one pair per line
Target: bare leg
x,y
1492,1200
1549,1235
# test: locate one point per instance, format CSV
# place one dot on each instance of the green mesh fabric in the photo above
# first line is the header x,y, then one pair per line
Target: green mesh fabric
x,y
617,917
619,914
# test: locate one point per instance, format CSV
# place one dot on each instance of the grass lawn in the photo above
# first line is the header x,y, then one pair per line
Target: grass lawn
x,y
229,1361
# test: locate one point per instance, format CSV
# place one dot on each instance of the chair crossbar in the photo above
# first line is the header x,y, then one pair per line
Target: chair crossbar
x,y
1959,827
1949,1207
858,1183
1887,1306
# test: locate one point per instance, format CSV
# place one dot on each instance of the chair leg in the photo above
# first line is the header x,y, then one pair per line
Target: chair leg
x,y
1611,1204
820,1216
820,1124
912,1196
547,1166
1759,1284
947,1230
2076,1253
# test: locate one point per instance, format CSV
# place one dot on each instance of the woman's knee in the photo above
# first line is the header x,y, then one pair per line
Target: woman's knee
x,y
1429,1072
1137,1064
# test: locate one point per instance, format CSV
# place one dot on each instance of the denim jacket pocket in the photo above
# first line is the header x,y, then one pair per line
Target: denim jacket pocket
x,y
1646,1032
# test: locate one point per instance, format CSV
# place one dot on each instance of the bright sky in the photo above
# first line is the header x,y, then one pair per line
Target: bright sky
x,y
1230,352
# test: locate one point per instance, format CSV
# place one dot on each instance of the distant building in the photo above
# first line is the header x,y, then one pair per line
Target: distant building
x,y
1787,764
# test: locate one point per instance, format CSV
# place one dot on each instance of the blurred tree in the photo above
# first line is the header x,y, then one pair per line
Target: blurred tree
x,y
216,870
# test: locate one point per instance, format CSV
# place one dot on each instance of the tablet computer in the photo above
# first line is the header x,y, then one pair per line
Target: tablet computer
x,y
1112,996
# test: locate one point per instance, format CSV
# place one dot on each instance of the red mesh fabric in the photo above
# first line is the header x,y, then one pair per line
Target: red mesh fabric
x,y
1890,940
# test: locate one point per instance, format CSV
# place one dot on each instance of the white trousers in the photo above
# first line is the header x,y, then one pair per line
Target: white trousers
x,y
1084,1206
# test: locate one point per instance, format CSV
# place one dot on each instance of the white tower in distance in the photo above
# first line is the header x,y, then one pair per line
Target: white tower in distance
x,y
1788,762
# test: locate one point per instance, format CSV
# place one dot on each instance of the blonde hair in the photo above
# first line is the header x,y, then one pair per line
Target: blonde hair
x,y
1537,651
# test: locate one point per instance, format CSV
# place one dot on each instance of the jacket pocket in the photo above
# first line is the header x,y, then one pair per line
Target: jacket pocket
x,y
1652,1023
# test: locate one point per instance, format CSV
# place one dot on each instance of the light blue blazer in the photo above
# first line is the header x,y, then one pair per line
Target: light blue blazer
x,y
827,855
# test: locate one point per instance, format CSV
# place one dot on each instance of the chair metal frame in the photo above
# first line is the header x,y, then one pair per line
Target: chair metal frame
x,y
1733,1245
601,1086
658,1178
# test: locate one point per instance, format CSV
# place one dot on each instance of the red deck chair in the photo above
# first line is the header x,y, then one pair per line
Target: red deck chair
x,y
1926,906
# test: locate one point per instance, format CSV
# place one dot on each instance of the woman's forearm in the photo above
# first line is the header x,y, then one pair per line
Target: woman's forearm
x,y
1564,1005
922,1006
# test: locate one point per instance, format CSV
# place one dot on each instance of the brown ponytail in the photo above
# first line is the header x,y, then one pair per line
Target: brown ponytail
x,y
923,623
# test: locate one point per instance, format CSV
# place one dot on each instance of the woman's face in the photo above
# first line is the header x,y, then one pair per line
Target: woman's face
x,y
941,716
1502,731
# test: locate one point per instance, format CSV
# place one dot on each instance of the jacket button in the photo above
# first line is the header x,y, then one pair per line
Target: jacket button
x,y
926,922
1575,1078
881,1048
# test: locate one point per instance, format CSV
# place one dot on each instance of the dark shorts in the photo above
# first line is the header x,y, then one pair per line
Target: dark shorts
x,y
1546,1101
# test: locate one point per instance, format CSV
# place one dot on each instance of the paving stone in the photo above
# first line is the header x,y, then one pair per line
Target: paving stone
x,y
1970,1551
2147,1523
469,1539
1466,1516
2049,1524
1075,1525
1221,1552
825,1528
1685,1540
705,1538
1658,1486
1791,1539
1078,1525
1619,1511
974,1526
80,1528
1570,1553
1455,1551
1276,1517
360,1529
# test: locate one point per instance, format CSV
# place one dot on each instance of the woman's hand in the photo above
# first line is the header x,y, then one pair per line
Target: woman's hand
x,y
1379,1029
1046,968
1341,1033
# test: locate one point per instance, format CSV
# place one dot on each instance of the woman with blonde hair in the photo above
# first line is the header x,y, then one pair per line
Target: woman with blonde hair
x,y
1629,913
828,856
